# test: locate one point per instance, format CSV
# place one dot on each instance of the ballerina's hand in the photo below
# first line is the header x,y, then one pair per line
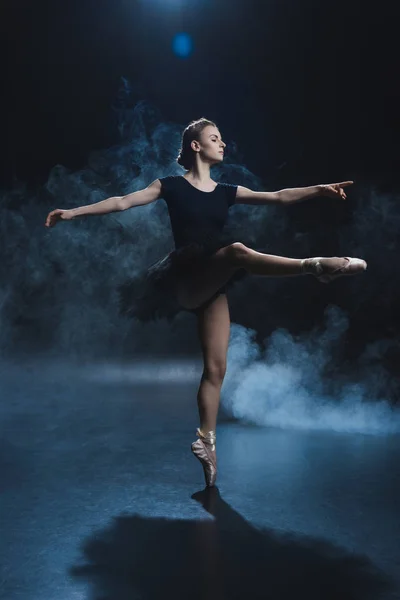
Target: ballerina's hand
x,y
59,214
335,190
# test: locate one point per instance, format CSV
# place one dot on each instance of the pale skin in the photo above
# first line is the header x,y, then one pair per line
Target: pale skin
x,y
214,320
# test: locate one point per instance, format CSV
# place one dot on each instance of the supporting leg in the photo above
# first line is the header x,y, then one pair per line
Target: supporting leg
x,y
213,329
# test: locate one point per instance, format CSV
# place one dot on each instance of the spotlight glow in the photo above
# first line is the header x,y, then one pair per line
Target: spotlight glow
x,y
182,45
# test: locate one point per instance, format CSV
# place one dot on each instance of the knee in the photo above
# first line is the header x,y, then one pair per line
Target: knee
x,y
236,251
215,371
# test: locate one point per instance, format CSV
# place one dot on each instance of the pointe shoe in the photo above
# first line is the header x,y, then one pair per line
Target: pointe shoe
x,y
204,449
321,272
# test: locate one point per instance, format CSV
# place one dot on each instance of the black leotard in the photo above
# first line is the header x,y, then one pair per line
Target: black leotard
x,y
197,222
196,216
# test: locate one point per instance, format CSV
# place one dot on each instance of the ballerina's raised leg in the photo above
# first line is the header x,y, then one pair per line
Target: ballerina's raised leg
x,y
199,286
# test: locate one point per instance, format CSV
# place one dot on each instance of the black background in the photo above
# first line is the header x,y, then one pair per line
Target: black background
x,y
306,89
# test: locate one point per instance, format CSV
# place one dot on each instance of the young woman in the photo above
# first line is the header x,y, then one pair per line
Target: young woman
x,y
205,262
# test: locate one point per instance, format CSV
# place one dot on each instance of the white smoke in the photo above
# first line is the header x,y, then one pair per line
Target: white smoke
x,y
287,385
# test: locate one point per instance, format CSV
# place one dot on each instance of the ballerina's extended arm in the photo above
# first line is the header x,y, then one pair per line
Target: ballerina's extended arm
x,y
112,204
291,195
117,203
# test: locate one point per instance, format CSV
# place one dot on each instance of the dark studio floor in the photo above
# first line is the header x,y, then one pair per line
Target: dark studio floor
x,y
102,499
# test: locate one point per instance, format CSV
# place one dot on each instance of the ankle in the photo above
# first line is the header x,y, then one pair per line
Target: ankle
x,y
206,429
208,436
308,266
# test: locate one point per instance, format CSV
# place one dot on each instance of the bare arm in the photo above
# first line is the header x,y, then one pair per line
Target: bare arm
x,y
141,197
290,195
117,203
113,204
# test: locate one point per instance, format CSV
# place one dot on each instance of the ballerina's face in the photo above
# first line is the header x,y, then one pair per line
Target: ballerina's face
x,y
210,145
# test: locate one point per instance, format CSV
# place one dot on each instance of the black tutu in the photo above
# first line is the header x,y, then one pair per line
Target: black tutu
x,y
151,294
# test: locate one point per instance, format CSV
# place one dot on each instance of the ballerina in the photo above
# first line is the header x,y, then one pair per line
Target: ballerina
x,y
205,263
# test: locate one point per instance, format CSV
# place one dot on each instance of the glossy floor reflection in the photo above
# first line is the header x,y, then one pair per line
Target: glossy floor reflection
x,y
101,497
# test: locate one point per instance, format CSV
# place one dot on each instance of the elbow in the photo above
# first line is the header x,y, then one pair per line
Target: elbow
x,y
120,203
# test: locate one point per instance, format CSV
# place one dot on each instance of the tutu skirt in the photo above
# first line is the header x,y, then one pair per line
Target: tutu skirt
x,y
150,295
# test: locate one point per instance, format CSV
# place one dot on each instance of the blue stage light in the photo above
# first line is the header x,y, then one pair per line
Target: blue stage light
x,y
182,45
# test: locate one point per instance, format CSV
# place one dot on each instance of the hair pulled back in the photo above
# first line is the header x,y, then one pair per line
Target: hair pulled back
x,y
192,132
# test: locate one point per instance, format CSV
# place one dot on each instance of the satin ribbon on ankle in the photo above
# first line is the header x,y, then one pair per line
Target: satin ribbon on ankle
x,y
210,438
312,268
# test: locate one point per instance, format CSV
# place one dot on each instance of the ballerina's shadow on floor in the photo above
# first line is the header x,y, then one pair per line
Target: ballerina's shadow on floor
x,y
224,558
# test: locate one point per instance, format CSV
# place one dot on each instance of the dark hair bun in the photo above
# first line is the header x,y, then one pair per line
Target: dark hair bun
x,y
184,159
